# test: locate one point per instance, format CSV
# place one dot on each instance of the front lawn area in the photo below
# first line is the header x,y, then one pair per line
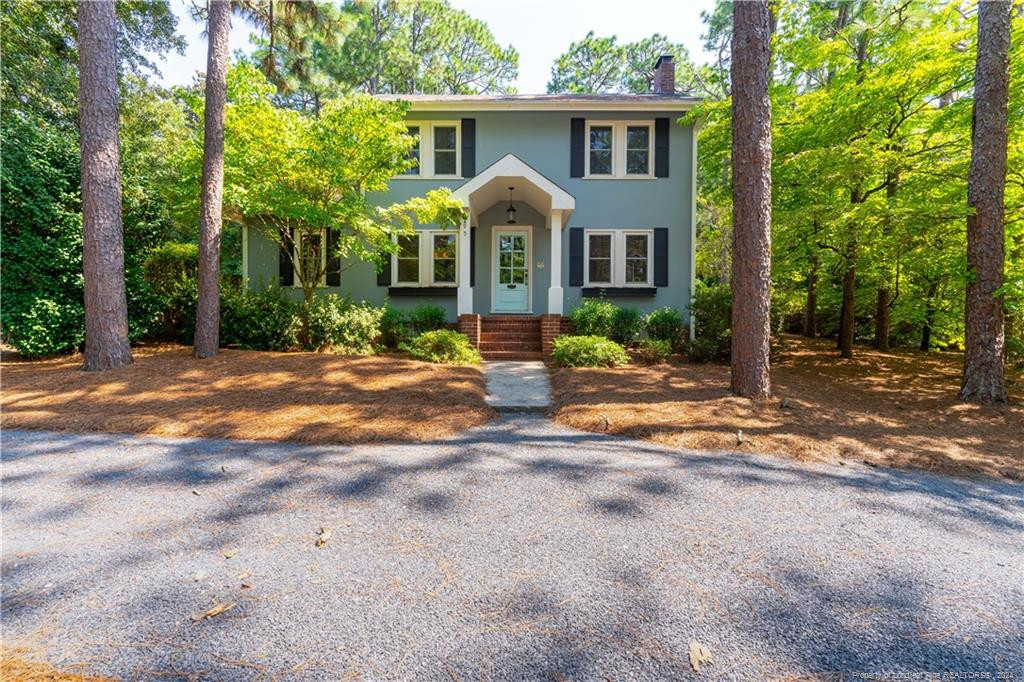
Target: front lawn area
x,y
895,409
303,397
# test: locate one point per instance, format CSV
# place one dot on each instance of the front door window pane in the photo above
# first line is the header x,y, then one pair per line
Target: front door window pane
x,y
444,259
638,145
601,150
408,259
445,155
599,258
512,259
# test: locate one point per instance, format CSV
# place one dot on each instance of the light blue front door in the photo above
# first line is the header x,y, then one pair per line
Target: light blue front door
x,y
512,271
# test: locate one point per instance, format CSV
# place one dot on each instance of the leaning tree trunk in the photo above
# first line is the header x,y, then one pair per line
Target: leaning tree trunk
x,y
208,307
811,305
752,198
106,305
983,379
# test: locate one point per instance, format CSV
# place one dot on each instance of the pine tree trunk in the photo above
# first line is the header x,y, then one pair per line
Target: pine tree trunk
x,y
752,201
882,318
983,380
106,305
811,305
208,307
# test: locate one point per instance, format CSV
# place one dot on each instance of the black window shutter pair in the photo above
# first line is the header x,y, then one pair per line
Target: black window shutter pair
x,y
577,258
333,261
578,147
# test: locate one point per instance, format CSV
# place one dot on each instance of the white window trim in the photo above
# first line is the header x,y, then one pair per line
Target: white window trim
x,y
297,255
619,150
425,246
618,256
426,169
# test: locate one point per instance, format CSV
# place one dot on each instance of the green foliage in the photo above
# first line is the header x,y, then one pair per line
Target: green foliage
x,y
168,264
394,327
48,328
264,319
444,346
654,351
666,324
587,351
426,318
593,317
627,323
712,317
338,325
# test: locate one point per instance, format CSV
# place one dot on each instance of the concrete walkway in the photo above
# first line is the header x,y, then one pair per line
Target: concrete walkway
x,y
519,550
518,386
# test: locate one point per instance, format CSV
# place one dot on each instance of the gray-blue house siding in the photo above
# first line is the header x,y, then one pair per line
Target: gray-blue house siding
x,y
536,130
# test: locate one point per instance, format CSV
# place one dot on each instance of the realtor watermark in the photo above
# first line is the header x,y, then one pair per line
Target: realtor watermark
x,y
937,676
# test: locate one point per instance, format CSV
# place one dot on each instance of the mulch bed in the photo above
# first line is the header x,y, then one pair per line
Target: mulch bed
x,y
895,409
302,397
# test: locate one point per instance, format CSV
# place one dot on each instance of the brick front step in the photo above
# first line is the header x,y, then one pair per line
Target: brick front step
x,y
510,346
532,335
511,355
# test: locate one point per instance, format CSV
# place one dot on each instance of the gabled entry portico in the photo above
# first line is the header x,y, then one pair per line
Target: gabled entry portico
x,y
511,254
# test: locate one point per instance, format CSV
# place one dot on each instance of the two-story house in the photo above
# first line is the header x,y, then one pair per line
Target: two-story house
x,y
568,196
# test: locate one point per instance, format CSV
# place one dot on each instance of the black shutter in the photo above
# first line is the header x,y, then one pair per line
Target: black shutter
x,y
661,256
661,128
472,256
333,261
577,144
384,272
468,147
576,257
285,269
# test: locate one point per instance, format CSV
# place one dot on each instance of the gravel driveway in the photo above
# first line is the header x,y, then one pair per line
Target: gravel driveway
x,y
518,550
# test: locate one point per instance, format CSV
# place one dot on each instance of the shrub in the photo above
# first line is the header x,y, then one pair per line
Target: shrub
x,y
426,318
339,325
394,327
593,318
587,351
666,324
265,319
654,351
445,346
47,328
168,264
627,323
712,316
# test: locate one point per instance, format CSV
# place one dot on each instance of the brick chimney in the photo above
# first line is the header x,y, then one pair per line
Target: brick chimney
x,y
664,75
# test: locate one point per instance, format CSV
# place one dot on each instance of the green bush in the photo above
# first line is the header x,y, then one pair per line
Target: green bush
x,y
654,351
394,327
168,264
426,318
339,325
712,316
593,318
265,319
444,346
666,324
627,323
47,328
587,351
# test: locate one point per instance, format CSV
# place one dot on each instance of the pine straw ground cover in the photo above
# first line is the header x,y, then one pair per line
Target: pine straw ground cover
x,y
17,665
303,397
893,409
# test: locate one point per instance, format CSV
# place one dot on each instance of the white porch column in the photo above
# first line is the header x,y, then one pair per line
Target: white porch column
x,y
465,292
555,289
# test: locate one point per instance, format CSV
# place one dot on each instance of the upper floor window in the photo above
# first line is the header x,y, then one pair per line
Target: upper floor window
x,y
619,258
619,149
438,152
427,258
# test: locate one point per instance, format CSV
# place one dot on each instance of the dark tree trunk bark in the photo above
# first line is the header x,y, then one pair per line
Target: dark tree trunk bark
x,y
929,316
752,198
208,307
882,318
984,381
846,318
106,304
811,305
